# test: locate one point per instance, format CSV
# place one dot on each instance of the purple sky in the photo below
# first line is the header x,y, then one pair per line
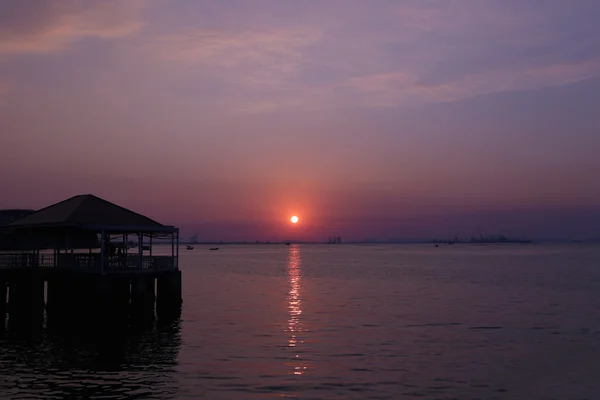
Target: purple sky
x,y
367,119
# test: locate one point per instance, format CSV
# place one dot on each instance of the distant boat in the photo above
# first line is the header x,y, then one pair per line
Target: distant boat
x,y
189,247
287,243
214,248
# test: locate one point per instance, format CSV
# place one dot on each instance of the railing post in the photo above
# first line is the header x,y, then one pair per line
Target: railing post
x,y
140,249
102,246
173,247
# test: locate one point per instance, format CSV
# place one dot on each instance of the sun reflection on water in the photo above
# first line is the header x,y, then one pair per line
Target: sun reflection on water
x,y
294,327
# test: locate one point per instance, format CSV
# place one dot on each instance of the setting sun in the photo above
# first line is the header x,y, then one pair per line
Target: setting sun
x,y
294,219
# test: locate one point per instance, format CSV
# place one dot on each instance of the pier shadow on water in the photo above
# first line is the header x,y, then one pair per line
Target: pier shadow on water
x,y
115,360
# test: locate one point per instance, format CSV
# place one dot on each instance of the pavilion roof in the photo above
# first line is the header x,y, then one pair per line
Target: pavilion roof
x,y
88,212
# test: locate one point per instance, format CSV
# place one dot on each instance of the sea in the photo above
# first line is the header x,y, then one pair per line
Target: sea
x,y
344,321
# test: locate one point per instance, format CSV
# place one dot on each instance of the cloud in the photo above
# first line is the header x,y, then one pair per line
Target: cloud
x,y
256,71
28,26
399,88
307,56
395,54
230,49
256,58
451,50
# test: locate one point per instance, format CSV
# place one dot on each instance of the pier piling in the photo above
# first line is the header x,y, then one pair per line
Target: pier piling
x,y
26,300
142,299
3,301
169,295
81,248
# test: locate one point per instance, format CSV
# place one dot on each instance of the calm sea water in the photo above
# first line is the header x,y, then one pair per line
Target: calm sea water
x,y
346,322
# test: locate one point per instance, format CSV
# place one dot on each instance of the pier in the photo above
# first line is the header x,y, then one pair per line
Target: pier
x,y
88,261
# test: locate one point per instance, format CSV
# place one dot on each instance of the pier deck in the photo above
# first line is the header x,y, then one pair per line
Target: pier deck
x,y
93,263
71,262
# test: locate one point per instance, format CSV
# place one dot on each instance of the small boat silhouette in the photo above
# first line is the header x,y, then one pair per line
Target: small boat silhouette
x,y
214,248
190,247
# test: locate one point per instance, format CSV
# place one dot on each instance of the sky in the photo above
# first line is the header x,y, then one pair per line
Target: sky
x,y
379,119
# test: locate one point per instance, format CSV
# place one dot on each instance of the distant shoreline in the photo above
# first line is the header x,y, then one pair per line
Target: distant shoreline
x,y
540,241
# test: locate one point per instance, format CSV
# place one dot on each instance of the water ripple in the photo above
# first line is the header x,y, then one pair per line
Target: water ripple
x,y
343,322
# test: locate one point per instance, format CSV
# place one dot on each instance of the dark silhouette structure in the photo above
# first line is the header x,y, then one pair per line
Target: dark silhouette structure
x,y
334,240
6,217
10,215
81,248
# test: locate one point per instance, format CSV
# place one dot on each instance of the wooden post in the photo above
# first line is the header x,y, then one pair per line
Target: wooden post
x,y
26,301
140,248
102,247
3,293
142,298
173,247
169,295
177,252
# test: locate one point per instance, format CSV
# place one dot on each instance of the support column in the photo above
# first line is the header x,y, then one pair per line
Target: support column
x,y
176,266
168,295
102,251
111,299
172,245
78,307
141,250
116,303
3,293
26,301
58,298
142,299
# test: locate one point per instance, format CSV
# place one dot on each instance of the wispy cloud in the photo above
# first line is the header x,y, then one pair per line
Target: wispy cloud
x,y
49,26
265,59
408,53
399,88
232,49
328,55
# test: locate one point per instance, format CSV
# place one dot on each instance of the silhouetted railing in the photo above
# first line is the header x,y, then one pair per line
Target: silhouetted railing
x,y
26,260
89,262
133,263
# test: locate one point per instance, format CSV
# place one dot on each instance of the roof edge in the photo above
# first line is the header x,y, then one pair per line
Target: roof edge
x,y
123,208
14,223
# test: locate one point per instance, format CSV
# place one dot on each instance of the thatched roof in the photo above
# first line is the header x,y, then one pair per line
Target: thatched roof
x,y
88,212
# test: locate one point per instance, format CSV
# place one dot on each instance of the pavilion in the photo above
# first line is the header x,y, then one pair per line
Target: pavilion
x,y
89,234
89,258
